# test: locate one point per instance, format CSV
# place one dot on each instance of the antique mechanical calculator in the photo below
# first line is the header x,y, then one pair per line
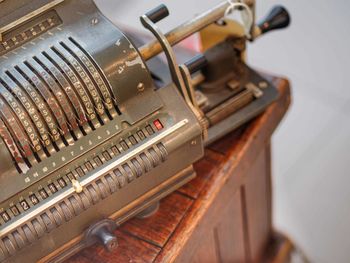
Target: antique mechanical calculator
x,y
94,130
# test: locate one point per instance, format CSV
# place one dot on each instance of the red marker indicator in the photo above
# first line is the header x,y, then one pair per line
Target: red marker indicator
x,y
158,125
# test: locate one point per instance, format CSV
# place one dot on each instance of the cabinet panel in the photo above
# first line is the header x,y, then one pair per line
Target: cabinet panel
x,y
221,238
257,205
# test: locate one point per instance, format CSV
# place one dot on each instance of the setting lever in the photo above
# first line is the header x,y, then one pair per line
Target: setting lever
x,y
277,18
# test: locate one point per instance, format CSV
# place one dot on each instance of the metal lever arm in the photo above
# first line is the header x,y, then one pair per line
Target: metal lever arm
x,y
166,47
185,30
180,75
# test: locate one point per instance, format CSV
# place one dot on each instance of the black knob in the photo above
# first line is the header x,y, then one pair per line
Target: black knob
x,y
107,239
102,232
158,13
278,18
196,63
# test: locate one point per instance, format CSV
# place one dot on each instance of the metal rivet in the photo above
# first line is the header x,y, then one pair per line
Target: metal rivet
x,y
263,84
193,142
141,87
94,21
125,125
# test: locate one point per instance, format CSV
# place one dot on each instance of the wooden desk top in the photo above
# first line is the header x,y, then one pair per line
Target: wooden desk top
x,y
161,237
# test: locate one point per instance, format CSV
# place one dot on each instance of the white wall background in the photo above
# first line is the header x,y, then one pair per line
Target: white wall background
x,y
311,147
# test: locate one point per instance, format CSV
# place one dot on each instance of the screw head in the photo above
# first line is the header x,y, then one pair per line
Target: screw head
x,y
141,87
112,245
94,21
263,84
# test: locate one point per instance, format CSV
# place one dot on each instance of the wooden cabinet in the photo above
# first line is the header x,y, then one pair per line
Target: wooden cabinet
x,y
223,215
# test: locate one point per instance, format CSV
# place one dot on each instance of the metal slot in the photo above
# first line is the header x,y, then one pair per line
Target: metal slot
x,y
18,159
95,73
51,100
97,67
16,132
50,108
59,67
27,108
75,79
60,95
21,116
32,111
61,80
84,78
29,86
92,80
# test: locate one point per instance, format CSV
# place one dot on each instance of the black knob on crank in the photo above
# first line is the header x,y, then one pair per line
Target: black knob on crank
x,y
277,18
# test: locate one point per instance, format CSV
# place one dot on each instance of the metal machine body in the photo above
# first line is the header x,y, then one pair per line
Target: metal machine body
x,y
87,141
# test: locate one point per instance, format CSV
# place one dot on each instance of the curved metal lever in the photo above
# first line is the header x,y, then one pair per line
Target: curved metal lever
x,y
166,46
